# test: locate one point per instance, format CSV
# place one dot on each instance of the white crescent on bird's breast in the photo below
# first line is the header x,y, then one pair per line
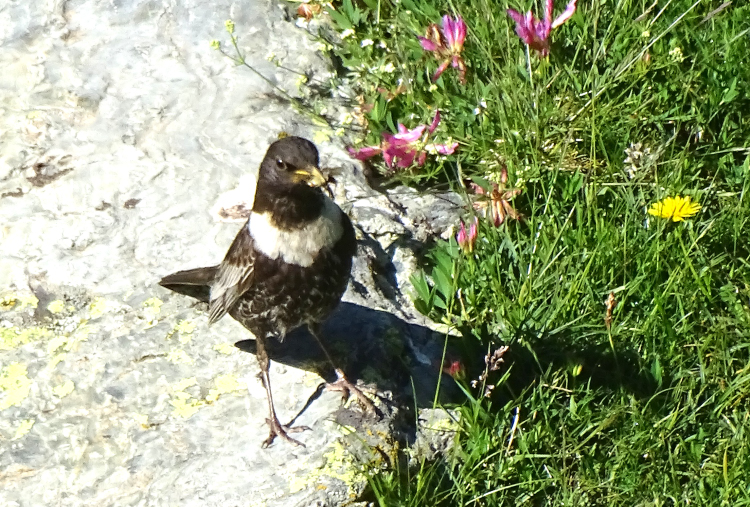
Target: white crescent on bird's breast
x,y
298,246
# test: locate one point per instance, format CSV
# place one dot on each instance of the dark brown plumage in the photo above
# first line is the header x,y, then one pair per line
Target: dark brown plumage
x,y
288,266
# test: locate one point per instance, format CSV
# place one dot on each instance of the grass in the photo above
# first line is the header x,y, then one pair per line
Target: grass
x,y
654,408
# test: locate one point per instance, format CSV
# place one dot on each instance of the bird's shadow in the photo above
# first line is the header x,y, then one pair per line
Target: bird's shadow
x,y
376,347
407,359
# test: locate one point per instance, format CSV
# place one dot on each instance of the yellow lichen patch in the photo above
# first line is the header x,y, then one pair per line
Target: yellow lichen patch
x,y
56,343
224,384
56,306
68,343
225,348
142,419
12,337
339,465
152,309
321,136
310,379
184,405
14,384
446,423
18,302
154,304
64,389
185,326
23,428
179,356
56,360
184,330
26,300
98,307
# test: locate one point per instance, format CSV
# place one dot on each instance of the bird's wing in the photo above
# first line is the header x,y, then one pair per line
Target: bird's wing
x,y
195,283
235,276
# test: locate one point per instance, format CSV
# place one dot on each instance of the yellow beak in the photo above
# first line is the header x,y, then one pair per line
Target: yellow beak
x,y
310,175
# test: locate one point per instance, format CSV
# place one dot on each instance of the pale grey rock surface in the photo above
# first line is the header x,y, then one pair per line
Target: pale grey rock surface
x,y
126,144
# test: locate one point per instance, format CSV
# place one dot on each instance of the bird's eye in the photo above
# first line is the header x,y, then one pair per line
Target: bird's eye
x,y
280,164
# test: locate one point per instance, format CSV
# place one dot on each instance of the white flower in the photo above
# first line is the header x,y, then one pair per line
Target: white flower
x,y
676,54
637,157
346,33
482,105
388,67
366,42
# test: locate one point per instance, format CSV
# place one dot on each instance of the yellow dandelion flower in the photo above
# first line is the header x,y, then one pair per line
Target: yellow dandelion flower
x,y
676,209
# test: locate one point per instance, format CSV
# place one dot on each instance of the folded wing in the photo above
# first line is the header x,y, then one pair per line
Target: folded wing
x,y
234,278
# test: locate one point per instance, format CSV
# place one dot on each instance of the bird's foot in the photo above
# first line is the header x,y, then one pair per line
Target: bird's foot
x,y
282,431
348,389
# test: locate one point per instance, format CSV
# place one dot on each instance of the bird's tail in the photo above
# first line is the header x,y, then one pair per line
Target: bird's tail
x,y
195,283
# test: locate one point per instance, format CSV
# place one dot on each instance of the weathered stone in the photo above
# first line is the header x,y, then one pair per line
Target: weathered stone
x,y
128,150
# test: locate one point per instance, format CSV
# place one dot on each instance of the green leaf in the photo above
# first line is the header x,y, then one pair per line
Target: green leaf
x,y
481,182
656,370
340,19
730,93
424,294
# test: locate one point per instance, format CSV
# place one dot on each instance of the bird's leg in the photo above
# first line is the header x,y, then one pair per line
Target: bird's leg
x,y
342,384
277,429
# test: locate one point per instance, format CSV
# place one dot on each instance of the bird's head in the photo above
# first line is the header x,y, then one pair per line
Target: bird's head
x,y
288,162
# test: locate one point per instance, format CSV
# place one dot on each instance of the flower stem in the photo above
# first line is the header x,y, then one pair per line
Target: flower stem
x,y
531,76
300,106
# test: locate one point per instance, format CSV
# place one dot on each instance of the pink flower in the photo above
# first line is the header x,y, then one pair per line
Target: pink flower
x,y
535,32
406,147
454,368
447,43
466,239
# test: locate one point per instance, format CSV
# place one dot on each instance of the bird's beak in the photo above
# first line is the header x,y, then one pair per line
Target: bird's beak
x,y
310,175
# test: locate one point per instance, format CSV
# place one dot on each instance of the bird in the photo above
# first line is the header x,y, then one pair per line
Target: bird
x,y
287,267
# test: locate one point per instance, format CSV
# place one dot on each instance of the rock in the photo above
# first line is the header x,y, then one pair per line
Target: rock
x,y
128,150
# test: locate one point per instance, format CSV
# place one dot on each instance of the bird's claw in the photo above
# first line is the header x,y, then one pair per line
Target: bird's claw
x,y
281,430
348,389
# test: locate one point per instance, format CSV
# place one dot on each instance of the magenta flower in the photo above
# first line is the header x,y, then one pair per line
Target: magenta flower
x,y
454,368
466,239
447,43
406,147
535,32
